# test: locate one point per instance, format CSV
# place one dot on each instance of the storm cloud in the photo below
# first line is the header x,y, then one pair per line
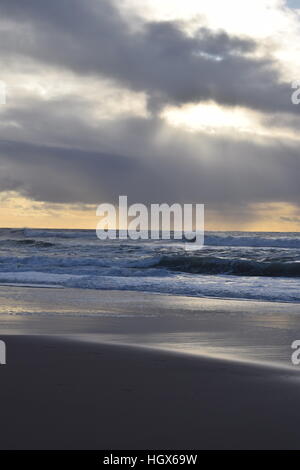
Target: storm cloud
x,y
56,149
179,167
92,37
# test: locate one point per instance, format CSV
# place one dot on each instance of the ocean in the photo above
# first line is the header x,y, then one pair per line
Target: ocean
x,y
232,265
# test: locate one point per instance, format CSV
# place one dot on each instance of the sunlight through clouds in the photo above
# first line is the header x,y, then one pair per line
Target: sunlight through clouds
x,y
215,119
143,97
211,118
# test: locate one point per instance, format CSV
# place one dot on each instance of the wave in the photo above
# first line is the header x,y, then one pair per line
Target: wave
x,y
234,239
237,267
253,241
252,288
27,242
47,233
37,243
82,266
45,262
52,233
152,265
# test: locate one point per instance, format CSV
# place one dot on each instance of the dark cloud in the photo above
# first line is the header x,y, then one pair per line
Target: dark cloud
x,y
147,160
56,151
92,37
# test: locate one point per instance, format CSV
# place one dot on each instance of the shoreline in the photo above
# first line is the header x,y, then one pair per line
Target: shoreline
x,y
154,293
259,332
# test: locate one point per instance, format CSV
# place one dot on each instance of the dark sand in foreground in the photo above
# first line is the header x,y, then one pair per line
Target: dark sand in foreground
x,y
59,394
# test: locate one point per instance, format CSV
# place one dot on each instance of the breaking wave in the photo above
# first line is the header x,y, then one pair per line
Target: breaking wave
x,y
238,267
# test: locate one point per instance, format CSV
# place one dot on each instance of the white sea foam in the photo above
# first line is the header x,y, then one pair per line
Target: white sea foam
x,y
268,289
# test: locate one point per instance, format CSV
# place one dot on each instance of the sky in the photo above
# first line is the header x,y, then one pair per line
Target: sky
x,y
162,100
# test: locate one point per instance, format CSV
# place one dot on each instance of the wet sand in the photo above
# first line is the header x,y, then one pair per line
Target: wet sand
x,y
125,370
64,394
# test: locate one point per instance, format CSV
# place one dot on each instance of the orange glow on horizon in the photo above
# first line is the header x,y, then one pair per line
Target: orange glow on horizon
x,y
19,212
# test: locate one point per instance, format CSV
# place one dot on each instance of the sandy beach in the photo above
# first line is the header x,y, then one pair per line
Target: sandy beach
x,y
115,370
59,394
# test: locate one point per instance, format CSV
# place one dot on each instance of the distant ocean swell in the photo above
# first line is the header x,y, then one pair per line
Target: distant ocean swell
x,y
236,239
